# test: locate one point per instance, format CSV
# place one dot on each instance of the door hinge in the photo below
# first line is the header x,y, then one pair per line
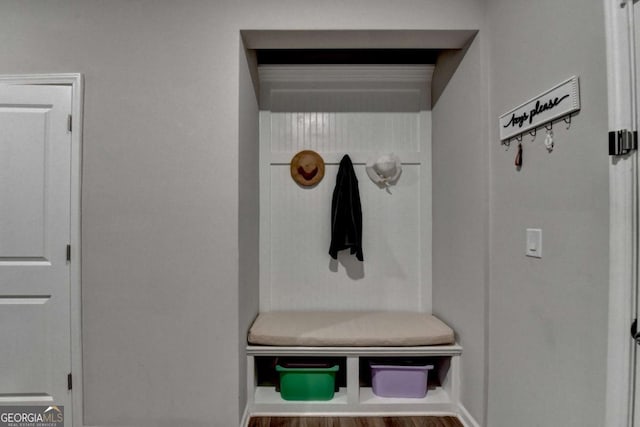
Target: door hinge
x,y
70,123
622,142
634,331
69,381
68,253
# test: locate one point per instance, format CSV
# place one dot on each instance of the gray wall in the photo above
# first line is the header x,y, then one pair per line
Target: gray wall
x,y
169,126
159,200
461,216
162,287
548,317
248,211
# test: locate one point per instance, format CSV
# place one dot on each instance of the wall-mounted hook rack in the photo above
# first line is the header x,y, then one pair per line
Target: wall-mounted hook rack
x,y
558,103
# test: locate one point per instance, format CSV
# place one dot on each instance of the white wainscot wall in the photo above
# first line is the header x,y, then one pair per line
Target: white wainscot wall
x,y
297,272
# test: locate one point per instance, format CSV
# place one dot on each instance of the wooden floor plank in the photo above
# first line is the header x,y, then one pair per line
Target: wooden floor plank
x,y
414,421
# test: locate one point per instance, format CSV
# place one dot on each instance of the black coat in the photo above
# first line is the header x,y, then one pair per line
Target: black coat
x,y
346,212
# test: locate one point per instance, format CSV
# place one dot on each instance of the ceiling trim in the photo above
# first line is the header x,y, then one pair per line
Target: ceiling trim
x,y
357,39
420,74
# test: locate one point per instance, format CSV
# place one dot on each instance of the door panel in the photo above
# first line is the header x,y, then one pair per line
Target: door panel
x,y
35,207
28,331
23,182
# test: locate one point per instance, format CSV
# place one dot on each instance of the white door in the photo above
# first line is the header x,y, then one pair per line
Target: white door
x,y
634,48
623,364
35,206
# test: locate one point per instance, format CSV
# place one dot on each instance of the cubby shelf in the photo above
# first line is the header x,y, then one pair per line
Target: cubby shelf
x,y
434,396
269,396
357,396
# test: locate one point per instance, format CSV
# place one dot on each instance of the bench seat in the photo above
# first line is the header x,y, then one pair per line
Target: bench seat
x,y
349,329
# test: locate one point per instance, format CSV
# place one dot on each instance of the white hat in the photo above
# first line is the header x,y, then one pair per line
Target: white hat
x,y
385,169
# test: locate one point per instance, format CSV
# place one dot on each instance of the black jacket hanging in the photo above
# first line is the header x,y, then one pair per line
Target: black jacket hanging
x,y
346,212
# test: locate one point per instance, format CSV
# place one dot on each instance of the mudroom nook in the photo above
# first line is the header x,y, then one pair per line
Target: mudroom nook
x,y
374,107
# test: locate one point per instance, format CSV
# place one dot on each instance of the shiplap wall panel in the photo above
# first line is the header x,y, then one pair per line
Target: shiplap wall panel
x,y
354,100
297,271
363,111
303,276
349,132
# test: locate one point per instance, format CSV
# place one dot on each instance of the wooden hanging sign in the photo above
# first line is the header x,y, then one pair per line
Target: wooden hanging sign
x,y
559,101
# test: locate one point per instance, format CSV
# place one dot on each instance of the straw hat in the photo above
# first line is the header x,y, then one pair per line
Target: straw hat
x,y
307,168
385,169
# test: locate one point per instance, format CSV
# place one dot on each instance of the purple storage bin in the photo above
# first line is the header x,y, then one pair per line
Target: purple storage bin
x,y
399,380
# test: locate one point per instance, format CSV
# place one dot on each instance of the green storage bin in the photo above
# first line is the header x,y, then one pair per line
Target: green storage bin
x,y
313,383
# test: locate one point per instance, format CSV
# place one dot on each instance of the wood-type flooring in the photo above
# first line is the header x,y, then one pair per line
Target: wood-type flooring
x,y
396,421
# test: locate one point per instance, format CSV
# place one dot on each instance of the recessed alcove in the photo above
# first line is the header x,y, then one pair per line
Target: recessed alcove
x,y
442,52
360,93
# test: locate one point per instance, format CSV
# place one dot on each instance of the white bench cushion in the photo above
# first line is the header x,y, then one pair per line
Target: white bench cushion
x,y
352,329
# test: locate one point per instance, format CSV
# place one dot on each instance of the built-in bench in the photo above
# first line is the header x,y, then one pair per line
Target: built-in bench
x,y
352,339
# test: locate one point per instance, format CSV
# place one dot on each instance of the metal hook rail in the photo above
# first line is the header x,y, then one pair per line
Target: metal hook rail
x,y
533,132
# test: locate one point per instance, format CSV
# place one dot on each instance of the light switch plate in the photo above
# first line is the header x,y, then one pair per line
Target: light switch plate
x,y
534,242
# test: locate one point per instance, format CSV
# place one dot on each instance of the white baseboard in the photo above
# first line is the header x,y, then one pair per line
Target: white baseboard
x,y
466,418
244,422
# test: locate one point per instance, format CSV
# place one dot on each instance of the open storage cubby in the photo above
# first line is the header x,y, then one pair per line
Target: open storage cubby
x,y
437,380
436,376
354,393
266,375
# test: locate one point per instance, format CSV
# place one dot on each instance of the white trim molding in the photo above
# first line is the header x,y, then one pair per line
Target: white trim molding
x,y
346,73
75,81
466,418
622,219
384,87
244,421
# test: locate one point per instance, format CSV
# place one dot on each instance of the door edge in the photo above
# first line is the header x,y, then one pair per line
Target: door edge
x,y
622,223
